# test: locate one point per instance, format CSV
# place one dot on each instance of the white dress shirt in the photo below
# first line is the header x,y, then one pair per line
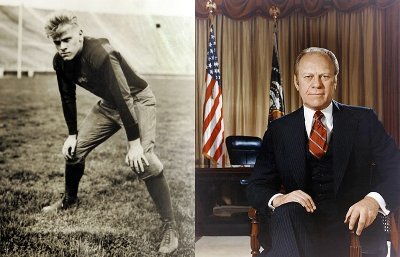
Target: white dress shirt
x,y
327,120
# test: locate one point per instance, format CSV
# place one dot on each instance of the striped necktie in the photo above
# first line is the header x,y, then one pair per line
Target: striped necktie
x,y
318,145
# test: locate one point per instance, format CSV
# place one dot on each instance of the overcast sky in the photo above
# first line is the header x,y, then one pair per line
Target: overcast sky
x,y
153,7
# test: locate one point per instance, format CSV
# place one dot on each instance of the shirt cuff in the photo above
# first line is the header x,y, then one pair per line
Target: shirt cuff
x,y
272,199
381,202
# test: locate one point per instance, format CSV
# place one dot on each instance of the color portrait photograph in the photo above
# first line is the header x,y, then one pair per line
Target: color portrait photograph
x,y
297,128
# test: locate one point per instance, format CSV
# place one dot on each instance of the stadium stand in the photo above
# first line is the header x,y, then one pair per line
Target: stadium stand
x,y
167,50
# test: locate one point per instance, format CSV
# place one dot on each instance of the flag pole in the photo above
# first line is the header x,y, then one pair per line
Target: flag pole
x,y
276,98
213,124
274,12
19,53
211,6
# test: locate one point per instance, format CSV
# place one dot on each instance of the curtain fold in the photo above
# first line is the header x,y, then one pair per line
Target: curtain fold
x,y
391,64
367,75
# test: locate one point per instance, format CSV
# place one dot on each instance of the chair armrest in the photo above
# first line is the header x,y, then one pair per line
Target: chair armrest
x,y
355,247
394,232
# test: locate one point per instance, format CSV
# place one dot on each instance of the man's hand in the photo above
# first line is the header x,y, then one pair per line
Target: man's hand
x,y
364,211
297,196
69,147
135,156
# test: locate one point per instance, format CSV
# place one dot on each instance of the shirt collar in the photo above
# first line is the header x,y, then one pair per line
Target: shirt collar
x,y
327,120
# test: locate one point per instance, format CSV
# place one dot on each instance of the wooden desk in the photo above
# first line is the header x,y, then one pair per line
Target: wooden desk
x,y
202,172
221,187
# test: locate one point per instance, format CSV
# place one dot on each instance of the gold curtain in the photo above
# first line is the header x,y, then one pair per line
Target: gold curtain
x,y
245,54
391,76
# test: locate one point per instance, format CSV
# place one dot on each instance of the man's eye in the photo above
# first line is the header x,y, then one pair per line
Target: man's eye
x,y
57,43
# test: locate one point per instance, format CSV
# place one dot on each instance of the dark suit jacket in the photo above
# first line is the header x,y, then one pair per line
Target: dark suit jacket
x,y
365,159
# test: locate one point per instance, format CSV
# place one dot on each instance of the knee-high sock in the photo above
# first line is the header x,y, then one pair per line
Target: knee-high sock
x,y
159,192
73,174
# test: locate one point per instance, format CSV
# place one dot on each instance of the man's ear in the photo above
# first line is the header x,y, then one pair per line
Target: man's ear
x,y
80,35
296,82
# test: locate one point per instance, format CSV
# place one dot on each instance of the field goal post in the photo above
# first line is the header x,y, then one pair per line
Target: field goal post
x,y
19,54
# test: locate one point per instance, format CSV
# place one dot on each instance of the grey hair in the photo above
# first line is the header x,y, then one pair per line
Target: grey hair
x,y
57,19
318,50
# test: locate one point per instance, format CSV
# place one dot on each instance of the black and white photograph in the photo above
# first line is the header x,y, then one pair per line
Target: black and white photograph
x,y
97,128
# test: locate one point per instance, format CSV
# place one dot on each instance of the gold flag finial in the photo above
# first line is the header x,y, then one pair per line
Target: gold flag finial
x,y
274,12
211,6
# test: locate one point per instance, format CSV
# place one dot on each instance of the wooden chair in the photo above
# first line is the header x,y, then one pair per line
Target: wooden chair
x,y
355,246
391,226
255,228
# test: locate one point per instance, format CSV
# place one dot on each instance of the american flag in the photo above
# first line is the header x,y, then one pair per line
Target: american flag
x,y
276,103
213,123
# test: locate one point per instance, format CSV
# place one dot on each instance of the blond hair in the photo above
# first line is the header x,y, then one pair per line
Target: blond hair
x,y
57,19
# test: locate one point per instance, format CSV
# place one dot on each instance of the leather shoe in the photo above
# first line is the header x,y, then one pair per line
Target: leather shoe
x,y
169,241
62,204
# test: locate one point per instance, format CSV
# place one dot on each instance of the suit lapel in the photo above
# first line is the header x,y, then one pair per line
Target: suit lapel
x,y
344,129
295,139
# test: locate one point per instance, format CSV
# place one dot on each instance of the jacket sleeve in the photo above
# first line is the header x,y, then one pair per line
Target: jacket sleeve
x,y
265,180
68,98
386,158
119,89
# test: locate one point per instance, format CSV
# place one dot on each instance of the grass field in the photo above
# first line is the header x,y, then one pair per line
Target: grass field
x,y
116,216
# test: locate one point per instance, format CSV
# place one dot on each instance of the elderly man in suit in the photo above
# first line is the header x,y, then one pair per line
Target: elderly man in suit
x,y
337,165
